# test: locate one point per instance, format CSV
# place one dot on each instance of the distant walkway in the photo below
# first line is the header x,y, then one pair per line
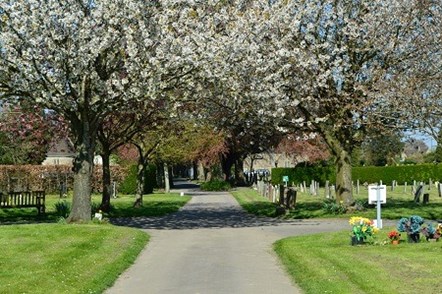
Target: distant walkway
x,y
212,246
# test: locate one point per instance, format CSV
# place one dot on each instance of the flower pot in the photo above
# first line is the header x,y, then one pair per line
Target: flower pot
x,y
413,238
395,242
356,241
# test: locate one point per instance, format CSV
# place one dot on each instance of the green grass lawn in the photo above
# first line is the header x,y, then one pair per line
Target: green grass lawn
x,y
55,258
327,263
399,204
253,203
156,204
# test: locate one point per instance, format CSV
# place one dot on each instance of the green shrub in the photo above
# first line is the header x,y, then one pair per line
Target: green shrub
x,y
369,174
62,208
400,173
215,185
331,207
299,174
129,184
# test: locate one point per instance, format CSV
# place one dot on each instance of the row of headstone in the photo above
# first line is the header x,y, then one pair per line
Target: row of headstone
x,y
273,192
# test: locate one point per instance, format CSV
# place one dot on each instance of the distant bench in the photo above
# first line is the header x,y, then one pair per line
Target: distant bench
x,y
23,200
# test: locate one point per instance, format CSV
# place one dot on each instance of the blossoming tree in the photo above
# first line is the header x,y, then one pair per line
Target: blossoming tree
x,y
334,60
84,59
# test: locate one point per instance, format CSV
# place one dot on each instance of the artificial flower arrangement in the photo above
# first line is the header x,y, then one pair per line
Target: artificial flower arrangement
x,y
394,236
362,228
412,226
432,232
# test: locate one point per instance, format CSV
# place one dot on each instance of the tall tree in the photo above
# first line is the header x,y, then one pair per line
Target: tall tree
x,y
27,133
117,130
84,59
331,61
382,148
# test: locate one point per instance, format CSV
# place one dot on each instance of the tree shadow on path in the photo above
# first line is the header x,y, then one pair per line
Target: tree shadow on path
x,y
200,215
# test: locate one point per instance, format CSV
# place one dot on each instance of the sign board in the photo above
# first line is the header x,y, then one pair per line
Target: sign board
x,y
373,194
285,179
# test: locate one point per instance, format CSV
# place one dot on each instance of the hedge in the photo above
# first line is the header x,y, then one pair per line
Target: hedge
x,y
299,174
400,173
129,184
369,174
49,177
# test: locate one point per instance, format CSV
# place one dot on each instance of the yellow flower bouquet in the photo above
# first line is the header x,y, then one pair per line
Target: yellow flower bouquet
x,y
362,228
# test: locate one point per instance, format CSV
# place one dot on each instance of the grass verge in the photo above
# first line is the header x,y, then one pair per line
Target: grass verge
x,y
153,205
327,263
399,204
55,258
253,203
157,204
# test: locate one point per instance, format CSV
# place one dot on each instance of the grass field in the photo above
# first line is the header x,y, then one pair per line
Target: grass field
x,y
327,263
55,258
399,204
153,205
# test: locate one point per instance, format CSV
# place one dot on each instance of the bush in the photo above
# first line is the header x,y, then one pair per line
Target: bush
x,y
62,208
215,185
48,177
369,174
129,184
299,174
331,207
400,173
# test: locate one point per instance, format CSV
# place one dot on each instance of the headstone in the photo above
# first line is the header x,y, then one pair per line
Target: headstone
x,y
426,198
418,193
327,189
332,191
357,187
291,198
405,187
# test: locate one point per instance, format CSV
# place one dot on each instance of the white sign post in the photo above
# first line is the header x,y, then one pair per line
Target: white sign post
x,y
377,194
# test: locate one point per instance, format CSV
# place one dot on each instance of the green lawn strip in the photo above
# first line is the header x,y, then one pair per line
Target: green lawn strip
x,y
54,258
253,203
156,204
326,263
153,205
399,204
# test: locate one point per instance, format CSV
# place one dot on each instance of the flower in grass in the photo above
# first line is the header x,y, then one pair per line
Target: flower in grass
x,y
394,235
362,227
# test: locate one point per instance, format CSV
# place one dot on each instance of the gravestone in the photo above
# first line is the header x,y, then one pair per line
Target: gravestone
x,y
418,193
327,189
426,198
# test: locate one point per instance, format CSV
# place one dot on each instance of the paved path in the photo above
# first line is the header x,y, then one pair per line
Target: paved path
x,y
212,246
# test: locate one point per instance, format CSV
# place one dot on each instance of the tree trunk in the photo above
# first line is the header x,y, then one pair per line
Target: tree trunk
x,y
166,178
201,173
227,161
106,177
140,184
160,175
239,172
140,177
83,167
344,184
